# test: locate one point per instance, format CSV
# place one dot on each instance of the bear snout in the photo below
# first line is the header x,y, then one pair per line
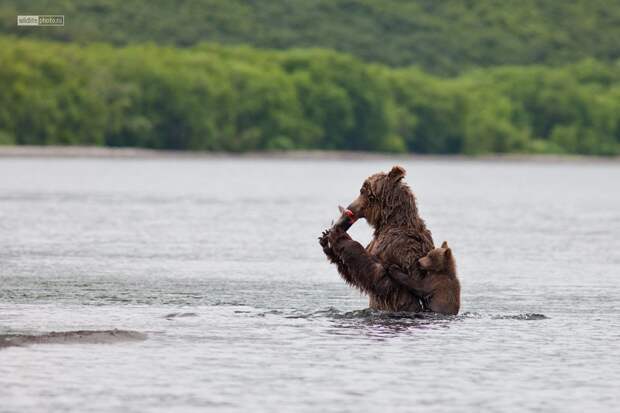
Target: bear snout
x,y
424,262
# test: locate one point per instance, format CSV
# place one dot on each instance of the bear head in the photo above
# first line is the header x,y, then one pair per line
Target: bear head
x,y
439,260
384,196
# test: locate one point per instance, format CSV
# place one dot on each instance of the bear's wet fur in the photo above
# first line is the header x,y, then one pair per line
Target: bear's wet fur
x,y
439,288
400,238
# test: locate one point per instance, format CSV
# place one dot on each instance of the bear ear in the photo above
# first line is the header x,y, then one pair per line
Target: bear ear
x,y
448,254
397,173
444,244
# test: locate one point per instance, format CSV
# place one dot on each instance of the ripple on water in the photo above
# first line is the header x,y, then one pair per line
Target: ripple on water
x,y
371,314
180,315
526,316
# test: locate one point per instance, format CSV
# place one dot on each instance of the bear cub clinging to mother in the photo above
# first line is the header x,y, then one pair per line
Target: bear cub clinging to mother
x,y
400,269
439,288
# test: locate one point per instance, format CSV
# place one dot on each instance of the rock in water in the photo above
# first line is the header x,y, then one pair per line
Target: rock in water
x,y
71,337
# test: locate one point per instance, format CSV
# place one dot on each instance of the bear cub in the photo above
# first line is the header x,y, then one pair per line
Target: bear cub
x,y
439,288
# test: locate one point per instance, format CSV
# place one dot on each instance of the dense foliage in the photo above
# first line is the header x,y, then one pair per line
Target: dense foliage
x,y
446,37
211,97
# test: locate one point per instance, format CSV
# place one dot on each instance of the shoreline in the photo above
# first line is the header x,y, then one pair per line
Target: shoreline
x,y
101,152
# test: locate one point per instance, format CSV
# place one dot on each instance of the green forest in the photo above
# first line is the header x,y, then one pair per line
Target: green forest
x,y
424,76
441,37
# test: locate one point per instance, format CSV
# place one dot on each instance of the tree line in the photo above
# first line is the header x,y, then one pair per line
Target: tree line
x,y
223,98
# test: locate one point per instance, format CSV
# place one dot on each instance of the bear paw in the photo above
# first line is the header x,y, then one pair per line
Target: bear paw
x,y
323,239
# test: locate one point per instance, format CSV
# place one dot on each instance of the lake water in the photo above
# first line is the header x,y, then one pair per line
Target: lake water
x,y
217,262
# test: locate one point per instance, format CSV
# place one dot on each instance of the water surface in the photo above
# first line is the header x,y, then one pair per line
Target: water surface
x,y
217,262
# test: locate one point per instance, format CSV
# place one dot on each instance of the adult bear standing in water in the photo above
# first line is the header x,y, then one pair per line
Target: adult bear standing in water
x,y
400,238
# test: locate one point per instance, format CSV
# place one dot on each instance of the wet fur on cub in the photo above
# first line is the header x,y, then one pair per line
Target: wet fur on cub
x,y
439,287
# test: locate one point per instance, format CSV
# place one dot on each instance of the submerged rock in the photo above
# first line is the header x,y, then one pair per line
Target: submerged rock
x,y
71,337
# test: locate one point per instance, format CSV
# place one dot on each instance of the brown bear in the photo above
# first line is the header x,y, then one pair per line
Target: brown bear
x,y
439,287
400,238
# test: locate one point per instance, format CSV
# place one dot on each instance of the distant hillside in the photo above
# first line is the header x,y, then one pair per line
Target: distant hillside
x,y
444,37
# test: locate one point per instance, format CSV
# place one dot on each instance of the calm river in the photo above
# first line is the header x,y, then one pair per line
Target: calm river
x,y
217,262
